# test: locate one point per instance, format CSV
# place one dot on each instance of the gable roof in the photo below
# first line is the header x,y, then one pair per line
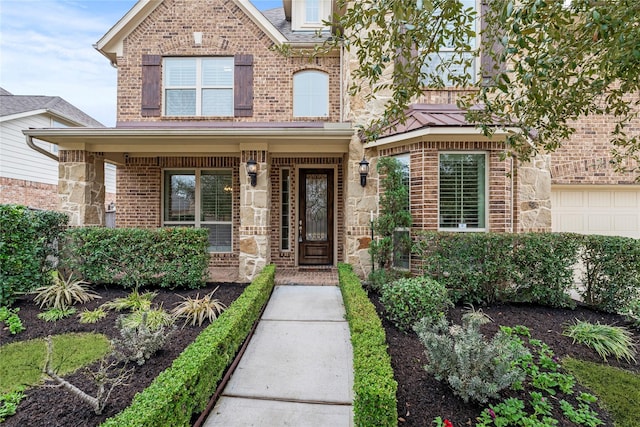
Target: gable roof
x,y
24,105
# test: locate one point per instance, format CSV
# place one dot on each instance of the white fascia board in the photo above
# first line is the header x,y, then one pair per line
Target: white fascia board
x,y
22,115
111,44
262,22
438,132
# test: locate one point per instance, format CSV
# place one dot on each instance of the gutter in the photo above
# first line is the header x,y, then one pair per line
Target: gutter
x,y
40,150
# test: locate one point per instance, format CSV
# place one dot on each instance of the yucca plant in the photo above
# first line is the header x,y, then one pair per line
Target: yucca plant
x,y
92,316
155,319
63,293
134,301
54,314
606,340
196,310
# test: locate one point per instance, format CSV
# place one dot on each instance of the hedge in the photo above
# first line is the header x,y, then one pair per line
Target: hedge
x,y
27,248
374,402
167,257
185,388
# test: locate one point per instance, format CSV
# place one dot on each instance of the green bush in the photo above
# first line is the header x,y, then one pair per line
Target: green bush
x,y
27,249
474,367
611,272
185,388
408,300
374,402
167,257
488,267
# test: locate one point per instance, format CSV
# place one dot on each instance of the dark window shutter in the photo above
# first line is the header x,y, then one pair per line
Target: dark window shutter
x,y
151,85
489,66
243,86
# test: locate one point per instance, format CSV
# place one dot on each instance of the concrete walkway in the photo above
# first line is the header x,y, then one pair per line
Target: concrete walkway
x,y
298,367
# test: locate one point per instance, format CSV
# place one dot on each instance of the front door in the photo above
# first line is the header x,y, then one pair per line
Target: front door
x,y
315,224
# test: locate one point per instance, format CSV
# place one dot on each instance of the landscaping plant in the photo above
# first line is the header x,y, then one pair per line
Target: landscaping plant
x,y
606,340
139,342
196,310
9,316
54,314
154,318
406,301
475,368
9,403
92,316
62,293
134,301
632,312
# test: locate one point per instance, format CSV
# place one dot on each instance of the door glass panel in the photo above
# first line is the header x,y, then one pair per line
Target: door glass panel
x,y
316,207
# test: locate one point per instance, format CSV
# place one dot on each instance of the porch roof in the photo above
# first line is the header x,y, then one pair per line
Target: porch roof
x,y
211,139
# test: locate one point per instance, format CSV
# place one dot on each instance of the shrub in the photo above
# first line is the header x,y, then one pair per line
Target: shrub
x,y
10,318
9,404
406,301
154,318
378,278
604,339
475,368
632,312
612,272
139,341
62,293
167,257
134,301
27,249
374,402
198,309
185,388
92,316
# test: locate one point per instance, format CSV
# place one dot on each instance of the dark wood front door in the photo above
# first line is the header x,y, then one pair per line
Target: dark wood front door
x,y
315,224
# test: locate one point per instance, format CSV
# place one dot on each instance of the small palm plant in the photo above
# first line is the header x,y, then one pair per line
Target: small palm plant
x,y
198,309
134,301
63,293
606,340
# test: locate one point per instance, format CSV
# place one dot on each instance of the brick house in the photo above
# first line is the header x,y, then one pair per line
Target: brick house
x,y
216,130
27,177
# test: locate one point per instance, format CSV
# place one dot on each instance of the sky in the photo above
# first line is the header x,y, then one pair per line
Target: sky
x,y
46,48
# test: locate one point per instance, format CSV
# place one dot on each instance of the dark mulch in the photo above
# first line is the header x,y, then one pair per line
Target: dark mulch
x,y
421,397
45,406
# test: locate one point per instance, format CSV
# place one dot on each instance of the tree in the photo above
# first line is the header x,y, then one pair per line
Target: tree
x,y
566,59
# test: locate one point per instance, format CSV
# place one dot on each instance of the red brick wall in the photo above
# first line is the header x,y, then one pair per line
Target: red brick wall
x,y
28,193
168,31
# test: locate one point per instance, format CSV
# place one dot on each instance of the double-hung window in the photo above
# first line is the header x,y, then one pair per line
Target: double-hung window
x,y
201,198
455,60
198,86
462,202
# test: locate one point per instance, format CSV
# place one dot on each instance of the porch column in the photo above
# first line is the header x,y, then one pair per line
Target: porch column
x,y
81,187
534,192
255,202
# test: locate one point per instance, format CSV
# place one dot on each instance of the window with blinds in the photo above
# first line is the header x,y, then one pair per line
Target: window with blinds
x,y
201,198
462,191
198,86
310,94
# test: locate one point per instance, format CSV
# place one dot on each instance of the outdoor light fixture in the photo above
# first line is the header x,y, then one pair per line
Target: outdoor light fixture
x,y
363,168
252,170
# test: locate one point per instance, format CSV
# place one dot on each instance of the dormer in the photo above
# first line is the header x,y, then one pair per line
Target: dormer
x,y
307,15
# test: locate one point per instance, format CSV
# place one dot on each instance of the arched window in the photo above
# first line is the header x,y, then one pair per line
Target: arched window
x,y
310,94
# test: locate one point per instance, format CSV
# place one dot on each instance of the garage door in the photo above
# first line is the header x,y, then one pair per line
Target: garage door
x,y
607,210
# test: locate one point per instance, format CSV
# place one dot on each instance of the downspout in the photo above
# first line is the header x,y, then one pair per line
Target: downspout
x,y
40,150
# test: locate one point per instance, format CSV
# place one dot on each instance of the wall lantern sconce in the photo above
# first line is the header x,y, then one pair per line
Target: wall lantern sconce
x,y
363,168
252,170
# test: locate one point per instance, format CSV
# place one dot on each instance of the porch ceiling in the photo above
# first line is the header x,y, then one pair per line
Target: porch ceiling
x,y
170,141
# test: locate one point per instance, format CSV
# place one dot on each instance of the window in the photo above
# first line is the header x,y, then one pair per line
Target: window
x,y
448,54
402,236
310,94
284,210
200,198
462,192
308,15
312,11
198,86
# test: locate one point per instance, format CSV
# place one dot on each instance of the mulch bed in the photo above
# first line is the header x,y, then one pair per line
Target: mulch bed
x,y
421,397
46,406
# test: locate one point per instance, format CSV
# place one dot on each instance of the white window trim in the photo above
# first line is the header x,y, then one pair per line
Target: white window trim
x,y
486,194
199,87
299,16
196,222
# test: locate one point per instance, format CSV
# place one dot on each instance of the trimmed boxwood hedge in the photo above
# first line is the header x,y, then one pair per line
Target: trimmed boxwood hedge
x,y
185,388
374,402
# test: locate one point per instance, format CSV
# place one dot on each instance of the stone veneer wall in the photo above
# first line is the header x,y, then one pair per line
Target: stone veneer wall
x,y
81,187
28,193
533,210
288,258
226,31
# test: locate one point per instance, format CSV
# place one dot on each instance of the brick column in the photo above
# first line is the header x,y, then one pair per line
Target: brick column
x,y
81,187
255,240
